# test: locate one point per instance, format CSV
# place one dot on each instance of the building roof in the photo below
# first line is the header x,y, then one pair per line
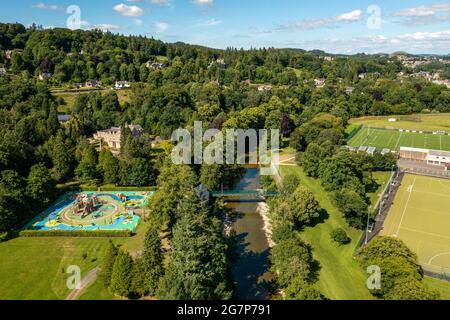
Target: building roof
x,y
414,149
64,117
371,150
439,153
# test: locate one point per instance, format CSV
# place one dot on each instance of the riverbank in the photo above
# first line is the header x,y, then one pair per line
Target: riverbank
x,y
263,209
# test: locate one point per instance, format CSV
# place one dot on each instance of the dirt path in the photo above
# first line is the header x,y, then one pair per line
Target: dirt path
x,y
88,279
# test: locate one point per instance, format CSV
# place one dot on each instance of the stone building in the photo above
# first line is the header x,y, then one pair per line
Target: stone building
x,y
112,137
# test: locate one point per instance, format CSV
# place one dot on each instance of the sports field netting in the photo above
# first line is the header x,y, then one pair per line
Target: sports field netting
x,y
393,139
420,216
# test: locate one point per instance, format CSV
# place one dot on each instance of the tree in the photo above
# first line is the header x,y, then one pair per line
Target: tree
x,y
198,261
109,167
108,264
40,185
298,289
396,262
149,268
291,258
290,184
87,169
62,157
411,289
302,207
121,276
340,236
312,158
353,207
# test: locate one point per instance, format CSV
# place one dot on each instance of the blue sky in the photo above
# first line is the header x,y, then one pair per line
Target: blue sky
x,y
416,26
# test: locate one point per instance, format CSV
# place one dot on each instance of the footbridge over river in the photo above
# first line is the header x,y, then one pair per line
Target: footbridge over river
x,y
257,195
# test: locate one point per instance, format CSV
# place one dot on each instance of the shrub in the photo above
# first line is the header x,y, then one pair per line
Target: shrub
x,y
282,232
340,236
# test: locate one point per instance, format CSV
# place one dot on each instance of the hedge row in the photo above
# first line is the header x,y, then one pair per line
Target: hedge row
x,y
76,233
111,188
354,132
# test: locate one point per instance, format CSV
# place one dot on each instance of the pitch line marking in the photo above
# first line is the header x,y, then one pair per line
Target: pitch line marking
x,y
427,233
398,141
410,190
430,262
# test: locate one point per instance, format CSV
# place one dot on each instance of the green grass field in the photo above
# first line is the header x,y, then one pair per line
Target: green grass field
x,y
341,277
420,216
393,139
419,122
443,287
32,268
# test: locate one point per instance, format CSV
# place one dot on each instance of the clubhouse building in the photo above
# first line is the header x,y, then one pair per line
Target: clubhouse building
x,y
430,157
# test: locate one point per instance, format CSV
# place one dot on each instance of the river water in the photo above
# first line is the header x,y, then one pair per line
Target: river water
x,y
251,272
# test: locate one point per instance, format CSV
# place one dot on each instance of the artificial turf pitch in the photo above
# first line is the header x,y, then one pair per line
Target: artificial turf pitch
x,y
393,139
420,216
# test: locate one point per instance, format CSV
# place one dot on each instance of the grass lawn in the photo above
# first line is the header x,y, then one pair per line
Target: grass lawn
x,y
442,286
420,122
32,268
420,217
69,98
96,291
341,277
393,139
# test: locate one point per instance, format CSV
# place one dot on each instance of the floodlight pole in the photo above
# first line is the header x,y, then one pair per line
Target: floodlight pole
x,y
367,228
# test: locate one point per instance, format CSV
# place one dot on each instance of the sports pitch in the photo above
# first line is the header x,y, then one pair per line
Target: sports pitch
x,y
420,216
393,139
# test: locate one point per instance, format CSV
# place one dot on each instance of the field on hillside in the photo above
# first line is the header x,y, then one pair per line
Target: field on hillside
x,y
340,277
420,216
393,139
419,122
69,98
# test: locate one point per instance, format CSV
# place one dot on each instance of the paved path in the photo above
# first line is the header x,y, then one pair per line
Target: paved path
x,y
88,279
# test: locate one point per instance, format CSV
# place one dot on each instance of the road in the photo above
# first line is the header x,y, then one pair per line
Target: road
x,y
88,279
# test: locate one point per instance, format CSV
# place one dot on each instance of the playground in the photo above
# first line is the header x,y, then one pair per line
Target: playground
x,y
93,211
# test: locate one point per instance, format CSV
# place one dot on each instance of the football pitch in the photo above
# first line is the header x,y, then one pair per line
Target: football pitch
x,y
420,216
393,139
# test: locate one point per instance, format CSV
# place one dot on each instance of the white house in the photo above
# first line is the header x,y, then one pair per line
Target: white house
x,y
122,85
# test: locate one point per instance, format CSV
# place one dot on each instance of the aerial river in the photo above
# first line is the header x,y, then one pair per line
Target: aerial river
x,y
251,272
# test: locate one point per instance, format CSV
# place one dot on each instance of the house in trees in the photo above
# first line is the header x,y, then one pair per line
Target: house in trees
x,y
44,76
265,87
155,65
63,119
112,137
319,83
92,84
219,62
2,71
349,90
122,85
9,53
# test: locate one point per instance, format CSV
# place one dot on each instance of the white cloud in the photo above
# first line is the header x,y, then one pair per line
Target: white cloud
x,y
203,2
419,42
161,26
348,17
128,11
424,15
106,27
423,11
355,15
45,6
210,23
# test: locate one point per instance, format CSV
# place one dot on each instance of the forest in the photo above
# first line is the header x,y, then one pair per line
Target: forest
x,y
221,88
